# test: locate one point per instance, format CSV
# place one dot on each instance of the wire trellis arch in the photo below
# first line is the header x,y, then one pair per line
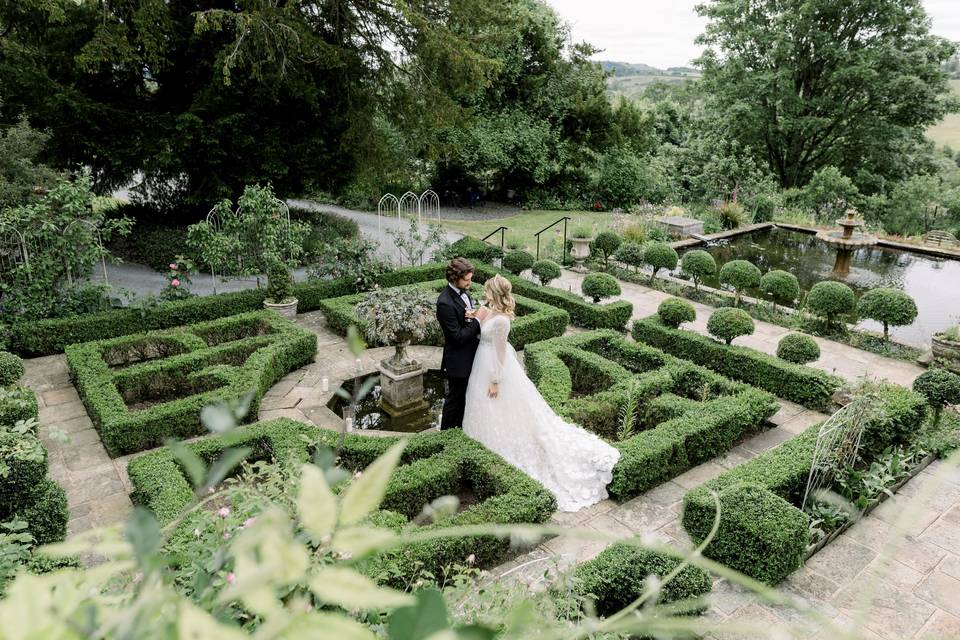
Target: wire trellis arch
x,y
408,205
17,247
224,267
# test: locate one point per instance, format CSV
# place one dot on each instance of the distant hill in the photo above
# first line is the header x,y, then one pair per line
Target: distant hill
x,y
630,79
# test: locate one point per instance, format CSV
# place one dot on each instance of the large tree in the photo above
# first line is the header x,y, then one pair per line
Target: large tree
x,y
806,84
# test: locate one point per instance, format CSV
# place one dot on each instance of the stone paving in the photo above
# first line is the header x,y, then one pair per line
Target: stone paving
x,y
905,588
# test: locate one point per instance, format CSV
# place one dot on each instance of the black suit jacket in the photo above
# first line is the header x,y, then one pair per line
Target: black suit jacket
x,y
460,336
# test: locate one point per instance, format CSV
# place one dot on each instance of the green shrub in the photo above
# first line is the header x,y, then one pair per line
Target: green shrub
x,y
698,264
673,312
11,368
781,286
546,270
630,253
433,465
600,285
17,403
741,275
516,262
660,255
23,465
731,215
830,299
728,323
221,359
889,307
606,243
809,387
798,348
618,576
940,387
473,249
47,514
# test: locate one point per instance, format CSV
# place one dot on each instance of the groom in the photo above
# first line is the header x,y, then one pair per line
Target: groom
x,y
461,335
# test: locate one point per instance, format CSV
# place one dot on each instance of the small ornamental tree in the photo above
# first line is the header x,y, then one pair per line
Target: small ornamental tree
x,y
673,312
698,264
940,387
630,253
600,285
741,275
397,317
830,299
660,255
889,307
798,348
781,286
727,323
516,262
606,243
545,271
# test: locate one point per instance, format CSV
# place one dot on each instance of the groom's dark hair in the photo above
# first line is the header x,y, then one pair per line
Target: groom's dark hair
x,y
458,268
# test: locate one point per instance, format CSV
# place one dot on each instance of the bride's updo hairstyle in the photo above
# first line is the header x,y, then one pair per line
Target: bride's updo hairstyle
x,y
500,295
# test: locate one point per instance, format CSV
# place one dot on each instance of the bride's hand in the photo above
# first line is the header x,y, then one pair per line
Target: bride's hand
x,y
493,390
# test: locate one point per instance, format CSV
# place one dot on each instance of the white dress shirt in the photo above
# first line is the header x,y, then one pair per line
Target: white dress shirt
x,y
463,296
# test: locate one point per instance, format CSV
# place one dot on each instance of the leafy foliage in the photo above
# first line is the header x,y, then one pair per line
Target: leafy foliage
x,y
600,285
728,323
660,255
940,387
673,312
397,315
607,243
731,215
21,173
741,275
630,253
516,262
798,348
888,307
780,285
831,299
698,264
546,270
11,368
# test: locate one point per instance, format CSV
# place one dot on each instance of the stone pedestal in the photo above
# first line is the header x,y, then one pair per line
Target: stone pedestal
x,y
401,387
680,226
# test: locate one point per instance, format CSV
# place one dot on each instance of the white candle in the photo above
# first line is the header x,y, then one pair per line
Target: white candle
x,y
349,424
359,364
325,385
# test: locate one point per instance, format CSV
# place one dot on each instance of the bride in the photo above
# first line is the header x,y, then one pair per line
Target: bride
x,y
506,413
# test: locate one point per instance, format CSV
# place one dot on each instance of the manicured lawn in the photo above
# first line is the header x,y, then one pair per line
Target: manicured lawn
x,y
947,131
523,225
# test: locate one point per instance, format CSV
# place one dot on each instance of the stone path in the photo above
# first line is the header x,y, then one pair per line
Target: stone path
x,y
839,359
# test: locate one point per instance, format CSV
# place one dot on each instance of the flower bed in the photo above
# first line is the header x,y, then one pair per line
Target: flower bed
x,y
762,531
681,414
535,320
433,465
142,389
809,387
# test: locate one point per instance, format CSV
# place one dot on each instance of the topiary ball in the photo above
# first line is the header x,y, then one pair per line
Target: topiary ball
x,y
545,271
698,265
606,243
600,285
727,323
11,368
798,348
660,255
830,299
940,387
474,248
673,312
516,262
741,275
889,307
630,253
780,285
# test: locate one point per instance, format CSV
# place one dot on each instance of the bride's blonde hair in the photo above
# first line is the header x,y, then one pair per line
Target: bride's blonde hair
x,y
500,295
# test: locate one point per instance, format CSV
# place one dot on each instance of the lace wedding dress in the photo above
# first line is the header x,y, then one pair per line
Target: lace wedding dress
x,y
520,426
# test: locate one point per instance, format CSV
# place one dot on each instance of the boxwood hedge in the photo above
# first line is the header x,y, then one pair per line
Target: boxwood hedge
x,y
535,320
142,389
686,414
17,403
433,464
809,387
762,532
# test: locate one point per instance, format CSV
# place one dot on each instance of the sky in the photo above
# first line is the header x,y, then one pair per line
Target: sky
x,y
661,32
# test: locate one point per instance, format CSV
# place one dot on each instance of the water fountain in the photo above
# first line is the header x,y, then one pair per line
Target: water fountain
x,y
847,240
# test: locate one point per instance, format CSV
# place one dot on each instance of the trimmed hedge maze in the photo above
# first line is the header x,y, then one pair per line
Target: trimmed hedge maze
x,y
535,320
806,386
140,390
683,414
762,532
433,465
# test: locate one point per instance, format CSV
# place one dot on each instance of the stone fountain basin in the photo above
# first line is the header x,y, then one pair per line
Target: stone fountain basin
x,y
854,241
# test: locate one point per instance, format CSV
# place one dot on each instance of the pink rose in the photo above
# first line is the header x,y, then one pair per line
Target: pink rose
x,y
247,523
173,266
226,535
174,283
471,559
231,578
223,512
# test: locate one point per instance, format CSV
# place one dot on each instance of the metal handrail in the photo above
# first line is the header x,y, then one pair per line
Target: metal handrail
x,y
564,220
501,230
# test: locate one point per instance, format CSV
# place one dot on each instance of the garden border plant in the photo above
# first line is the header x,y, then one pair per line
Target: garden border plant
x,y
804,385
433,465
762,533
607,370
218,360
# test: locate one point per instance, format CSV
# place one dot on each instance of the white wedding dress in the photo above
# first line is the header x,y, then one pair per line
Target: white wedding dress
x,y
518,425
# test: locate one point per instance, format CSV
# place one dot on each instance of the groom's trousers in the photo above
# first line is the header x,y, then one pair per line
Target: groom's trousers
x,y
454,402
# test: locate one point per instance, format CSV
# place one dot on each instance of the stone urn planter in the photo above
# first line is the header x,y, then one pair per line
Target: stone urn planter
x,y
580,251
287,308
946,351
